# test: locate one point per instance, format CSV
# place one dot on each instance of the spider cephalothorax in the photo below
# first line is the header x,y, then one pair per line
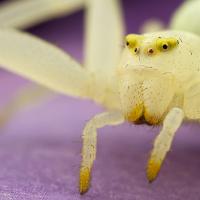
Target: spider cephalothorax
x,y
142,87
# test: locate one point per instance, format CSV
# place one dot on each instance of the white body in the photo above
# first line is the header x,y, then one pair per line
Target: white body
x,y
156,82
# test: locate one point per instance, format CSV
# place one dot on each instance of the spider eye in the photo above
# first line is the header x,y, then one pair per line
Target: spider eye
x,y
131,40
165,46
150,51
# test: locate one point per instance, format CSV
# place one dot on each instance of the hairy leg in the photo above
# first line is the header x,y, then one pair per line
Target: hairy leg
x,y
163,142
89,144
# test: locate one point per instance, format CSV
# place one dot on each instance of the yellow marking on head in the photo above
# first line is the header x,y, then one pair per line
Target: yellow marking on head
x,y
139,111
135,114
160,45
153,169
85,177
166,44
151,119
133,42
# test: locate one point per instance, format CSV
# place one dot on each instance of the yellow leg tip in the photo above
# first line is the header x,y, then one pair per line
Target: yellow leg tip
x,y
153,169
84,183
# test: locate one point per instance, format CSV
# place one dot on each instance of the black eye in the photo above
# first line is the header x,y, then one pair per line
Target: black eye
x,y
165,46
127,43
137,50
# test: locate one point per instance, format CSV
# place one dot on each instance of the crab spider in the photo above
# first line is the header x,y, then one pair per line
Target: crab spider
x,y
156,81
19,14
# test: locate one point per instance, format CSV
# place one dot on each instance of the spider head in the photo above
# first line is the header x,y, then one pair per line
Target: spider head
x,y
150,68
148,50
167,51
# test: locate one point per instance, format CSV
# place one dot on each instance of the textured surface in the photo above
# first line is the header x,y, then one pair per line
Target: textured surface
x,y
40,147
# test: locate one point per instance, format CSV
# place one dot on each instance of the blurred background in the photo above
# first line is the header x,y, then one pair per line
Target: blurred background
x,y
40,146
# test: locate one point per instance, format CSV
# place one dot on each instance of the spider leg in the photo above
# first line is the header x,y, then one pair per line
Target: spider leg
x,y
23,13
163,142
102,47
44,63
89,144
24,97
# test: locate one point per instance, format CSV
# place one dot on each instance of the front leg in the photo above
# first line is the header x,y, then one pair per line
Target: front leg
x,y
163,142
89,144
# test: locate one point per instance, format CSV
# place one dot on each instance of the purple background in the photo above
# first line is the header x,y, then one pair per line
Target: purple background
x,y
40,147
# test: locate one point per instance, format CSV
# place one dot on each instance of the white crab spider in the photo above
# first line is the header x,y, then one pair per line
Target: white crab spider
x,y
156,82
